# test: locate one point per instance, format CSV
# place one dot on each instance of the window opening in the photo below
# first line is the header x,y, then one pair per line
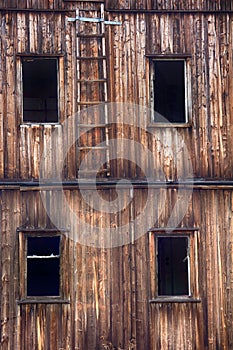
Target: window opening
x,y
169,91
173,265
40,91
43,266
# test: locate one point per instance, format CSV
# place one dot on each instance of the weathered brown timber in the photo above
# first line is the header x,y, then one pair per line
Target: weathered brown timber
x,y
205,38
164,5
109,295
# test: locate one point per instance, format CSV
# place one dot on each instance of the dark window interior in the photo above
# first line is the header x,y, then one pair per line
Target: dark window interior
x,y
173,265
43,266
40,101
169,91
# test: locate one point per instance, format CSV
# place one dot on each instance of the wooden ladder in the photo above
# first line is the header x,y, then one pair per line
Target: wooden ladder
x,y
92,90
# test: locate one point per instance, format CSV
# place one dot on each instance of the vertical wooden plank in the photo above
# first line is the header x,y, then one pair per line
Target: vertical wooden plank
x,y
11,123
6,276
22,4
229,262
116,295
2,88
1,245
142,292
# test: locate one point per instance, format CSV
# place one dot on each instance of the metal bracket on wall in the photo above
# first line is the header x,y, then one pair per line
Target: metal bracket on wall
x,y
93,20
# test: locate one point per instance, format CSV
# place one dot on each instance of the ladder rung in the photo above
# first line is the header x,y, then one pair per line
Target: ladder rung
x,y
88,36
91,10
98,148
89,103
91,80
91,57
93,126
94,171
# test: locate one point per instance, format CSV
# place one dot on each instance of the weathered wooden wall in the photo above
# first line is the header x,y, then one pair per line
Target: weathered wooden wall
x,y
109,289
206,37
24,4
122,4
169,5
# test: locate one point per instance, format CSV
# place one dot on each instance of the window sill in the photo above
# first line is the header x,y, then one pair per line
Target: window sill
x,y
29,124
174,299
42,301
169,125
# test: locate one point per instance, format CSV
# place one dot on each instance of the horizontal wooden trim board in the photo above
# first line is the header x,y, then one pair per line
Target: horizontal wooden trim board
x,y
43,55
174,229
48,185
164,56
171,299
9,9
41,230
189,12
169,125
43,301
133,11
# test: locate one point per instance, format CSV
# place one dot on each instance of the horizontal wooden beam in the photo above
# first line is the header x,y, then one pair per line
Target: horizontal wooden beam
x,y
173,229
39,55
10,9
129,11
42,230
111,183
174,55
169,11
171,299
43,301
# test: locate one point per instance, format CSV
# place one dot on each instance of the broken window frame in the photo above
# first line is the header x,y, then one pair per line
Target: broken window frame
x,y
53,288
187,89
24,234
192,256
60,88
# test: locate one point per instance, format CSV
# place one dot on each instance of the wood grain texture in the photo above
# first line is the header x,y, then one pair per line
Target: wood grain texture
x,y
205,38
109,289
168,5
